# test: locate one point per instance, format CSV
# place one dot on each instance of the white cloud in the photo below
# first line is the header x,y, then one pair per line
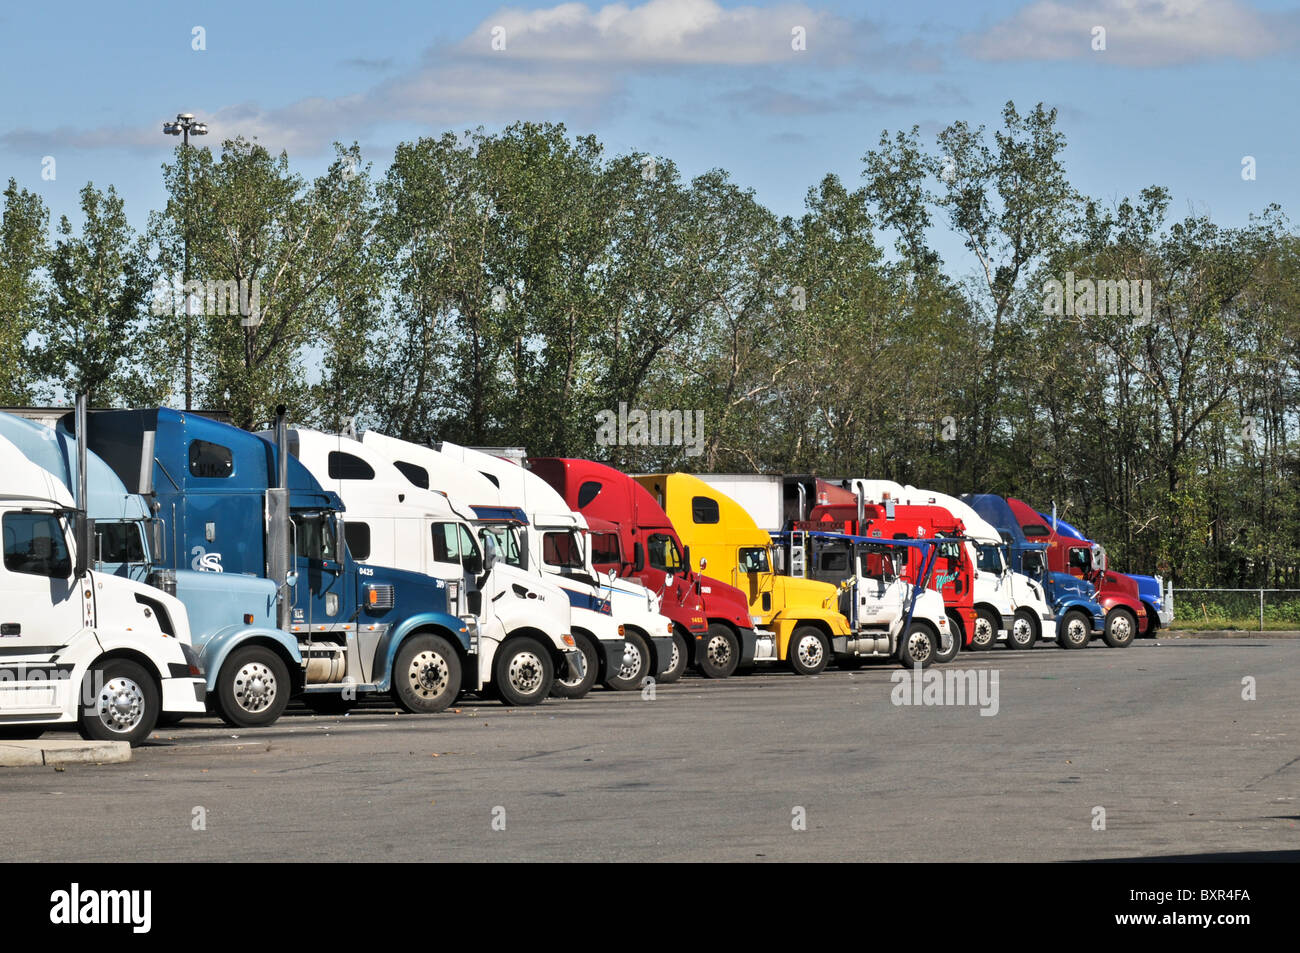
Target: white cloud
x,y
661,32
569,59
1138,32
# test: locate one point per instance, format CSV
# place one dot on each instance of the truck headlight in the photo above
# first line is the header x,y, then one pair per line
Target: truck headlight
x,y
756,620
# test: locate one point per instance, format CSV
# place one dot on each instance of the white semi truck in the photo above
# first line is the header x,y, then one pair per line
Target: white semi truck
x,y
391,522
616,623
78,646
1008,605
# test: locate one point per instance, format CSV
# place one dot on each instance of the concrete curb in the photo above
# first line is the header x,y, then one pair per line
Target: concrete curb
x,y
39,753
1226,634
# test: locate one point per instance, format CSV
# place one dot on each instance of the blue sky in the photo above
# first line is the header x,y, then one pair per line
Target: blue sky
x,y
1183,91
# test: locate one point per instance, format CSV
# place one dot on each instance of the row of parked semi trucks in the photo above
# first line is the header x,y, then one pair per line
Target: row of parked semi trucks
x,y
160,563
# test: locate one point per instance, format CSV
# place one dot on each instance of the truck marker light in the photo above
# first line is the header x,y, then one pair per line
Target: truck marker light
x,y
568,640
620,631
248,618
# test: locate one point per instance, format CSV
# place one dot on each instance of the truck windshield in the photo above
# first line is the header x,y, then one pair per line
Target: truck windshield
x,y
453,543
563,549
604,549
664,554
315,536
120,542
990,558
507,540
754,559
1081,558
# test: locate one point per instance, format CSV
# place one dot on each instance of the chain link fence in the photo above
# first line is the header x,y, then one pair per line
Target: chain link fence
x,y
1258,610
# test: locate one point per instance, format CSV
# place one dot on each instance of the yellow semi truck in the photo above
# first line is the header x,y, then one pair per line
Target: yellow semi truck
x,y
797,620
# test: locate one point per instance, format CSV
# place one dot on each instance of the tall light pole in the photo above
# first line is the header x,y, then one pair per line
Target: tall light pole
x,y
185,126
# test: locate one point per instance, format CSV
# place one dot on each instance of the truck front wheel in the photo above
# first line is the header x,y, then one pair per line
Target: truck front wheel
x,y
1121,628
636,664
677,661
986,631
253,687
809,651
579,686
1024,631
120,702
524,673
954,641
917,648
426,675
718,654
1075,631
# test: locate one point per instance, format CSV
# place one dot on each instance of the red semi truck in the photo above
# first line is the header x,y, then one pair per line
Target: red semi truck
x,y
954,574
632,534
1117,593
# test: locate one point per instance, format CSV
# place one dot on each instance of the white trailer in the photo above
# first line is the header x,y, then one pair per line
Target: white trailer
x,y
762,497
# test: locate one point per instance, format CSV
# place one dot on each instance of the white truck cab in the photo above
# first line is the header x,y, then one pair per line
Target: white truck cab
x,y
616,623
77,646
393,523
1009,606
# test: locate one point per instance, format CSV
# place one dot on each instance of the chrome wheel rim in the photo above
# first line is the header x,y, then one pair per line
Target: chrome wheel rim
x,y
919,646
120,705
809,651
719,651
1076,632
428,674
1121,629
573,681
983,632
675,659
255,687
1022,632
526,673
631,666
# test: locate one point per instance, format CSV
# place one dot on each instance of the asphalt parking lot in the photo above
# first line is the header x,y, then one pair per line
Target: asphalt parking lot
x,y
758,768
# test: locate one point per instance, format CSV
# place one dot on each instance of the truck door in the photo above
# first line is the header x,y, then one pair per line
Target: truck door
x,y
319,596
42,609
880,589
755,576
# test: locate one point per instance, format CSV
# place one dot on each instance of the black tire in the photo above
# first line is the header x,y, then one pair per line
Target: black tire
x,y
986,631
1075,630
718,653
1121,628
636,664
120,702
808,650
956,636
523,672
1024,631
426,674
579,687
1152,625
678,661
917,648
253,687
328,703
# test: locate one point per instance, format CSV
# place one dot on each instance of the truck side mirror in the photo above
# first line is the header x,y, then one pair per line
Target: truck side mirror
x,y
340,540
638,557
156,540
686,559
83,534
489,551
703,564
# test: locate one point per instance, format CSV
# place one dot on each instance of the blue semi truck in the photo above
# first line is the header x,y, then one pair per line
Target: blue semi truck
x,y
1079,617
228,502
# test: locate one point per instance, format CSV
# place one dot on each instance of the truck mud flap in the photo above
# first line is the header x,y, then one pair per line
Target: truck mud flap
x,y
748,646
610,656
574,662
662,646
